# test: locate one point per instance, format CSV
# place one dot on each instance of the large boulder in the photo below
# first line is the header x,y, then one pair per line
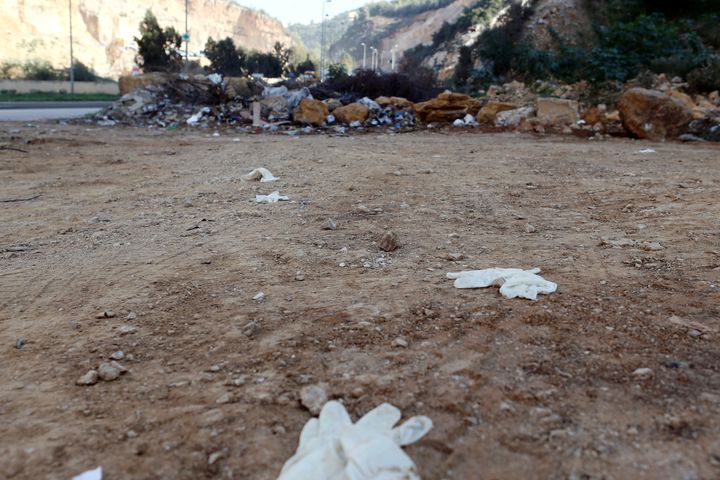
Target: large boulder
x,y
653,115
447,107
238,87
129,83
313,112
490,110
398,103
352,113
332,104
274,108
513,118
557,112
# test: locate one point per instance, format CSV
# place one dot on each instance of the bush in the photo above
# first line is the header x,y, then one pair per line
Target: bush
x,y
306,66
367,83
336,71
225,58
707,77
158,48
265,63
41,70
83,73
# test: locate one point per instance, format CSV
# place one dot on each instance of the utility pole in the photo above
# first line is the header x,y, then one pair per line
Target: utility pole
x,y
364,54
186,36
72,59
322,42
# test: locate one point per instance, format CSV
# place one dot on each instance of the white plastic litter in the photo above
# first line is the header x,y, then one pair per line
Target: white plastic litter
x,y
469,120
90,475
513,282
193,120
333,448
274,197
262,174
215,78
459,123
647,150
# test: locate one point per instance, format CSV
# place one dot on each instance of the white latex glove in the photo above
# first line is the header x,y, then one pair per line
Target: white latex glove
x,y
90,475
333,448
513,282
262,174
274,197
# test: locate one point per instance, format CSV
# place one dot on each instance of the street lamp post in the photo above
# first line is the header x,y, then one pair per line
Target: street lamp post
x,y
393,57
364,54
374,56
322,42
187,36
72,59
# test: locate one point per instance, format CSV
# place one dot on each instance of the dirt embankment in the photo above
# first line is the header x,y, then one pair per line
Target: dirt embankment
x,y
157,227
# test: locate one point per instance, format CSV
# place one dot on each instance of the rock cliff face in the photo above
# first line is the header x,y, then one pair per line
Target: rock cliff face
x,y
103,30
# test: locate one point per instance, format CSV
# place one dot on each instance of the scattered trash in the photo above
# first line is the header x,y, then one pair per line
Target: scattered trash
x,y
215,78
90,475
274,197
513,282
332,447
192,121
19,343
262,174
647,150
259,297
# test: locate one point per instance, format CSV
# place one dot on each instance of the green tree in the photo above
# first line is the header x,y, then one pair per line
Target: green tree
x,y
464,67
282,54
336,71
225,58
265,63
158,49
306,66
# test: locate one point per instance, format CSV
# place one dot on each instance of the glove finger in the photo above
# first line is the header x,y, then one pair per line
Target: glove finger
x,y
333,419
412,430
380,419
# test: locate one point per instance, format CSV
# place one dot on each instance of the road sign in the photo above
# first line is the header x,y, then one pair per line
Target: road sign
x,y
186,37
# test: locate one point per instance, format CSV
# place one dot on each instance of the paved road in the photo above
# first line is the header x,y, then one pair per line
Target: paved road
x,y
33,111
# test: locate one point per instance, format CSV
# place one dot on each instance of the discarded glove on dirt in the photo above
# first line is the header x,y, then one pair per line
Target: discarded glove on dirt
x,y
274,197
262,174
333,448
513,282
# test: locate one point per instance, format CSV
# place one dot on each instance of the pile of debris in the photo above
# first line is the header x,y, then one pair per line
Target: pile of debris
x,y
164,101
210,102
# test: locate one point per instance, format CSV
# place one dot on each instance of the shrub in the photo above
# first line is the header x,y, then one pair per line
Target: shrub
x,y
158,48
707,77
337,71
367,83
265,63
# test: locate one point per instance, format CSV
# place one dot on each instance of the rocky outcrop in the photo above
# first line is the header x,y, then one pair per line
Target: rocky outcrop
x,y
557,112
447,107
313,112
653,115
103,30
397,102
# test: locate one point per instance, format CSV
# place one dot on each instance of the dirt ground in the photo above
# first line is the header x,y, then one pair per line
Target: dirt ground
x,y
159,228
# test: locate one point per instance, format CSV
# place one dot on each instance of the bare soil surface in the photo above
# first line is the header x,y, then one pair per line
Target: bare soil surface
x,y
158,228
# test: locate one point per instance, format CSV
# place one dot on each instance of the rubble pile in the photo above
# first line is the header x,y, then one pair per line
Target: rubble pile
x,y
664,111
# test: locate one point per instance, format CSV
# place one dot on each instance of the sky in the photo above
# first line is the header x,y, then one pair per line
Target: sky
x,y
302,11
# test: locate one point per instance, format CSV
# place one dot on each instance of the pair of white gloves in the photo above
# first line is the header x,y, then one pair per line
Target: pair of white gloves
x,y
513,282
333,448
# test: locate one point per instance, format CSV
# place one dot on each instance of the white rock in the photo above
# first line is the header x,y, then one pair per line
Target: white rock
x,y
90,378
313,397
643,372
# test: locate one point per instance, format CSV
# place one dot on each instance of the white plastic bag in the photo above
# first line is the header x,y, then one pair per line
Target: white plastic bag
x,y
262,174
333,448
513,282
90,475
274,197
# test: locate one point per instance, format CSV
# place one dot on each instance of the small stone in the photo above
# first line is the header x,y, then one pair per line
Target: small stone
x,y
19,343
329,224
131,434
455,257
643,373
389,242
363,209
529,228
90,378
132,316
259,297
251,329
400,342
126,329
652,246
313,397
676,364
119,355
225,398
215,368
110,371
695,333
300,277
106,314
